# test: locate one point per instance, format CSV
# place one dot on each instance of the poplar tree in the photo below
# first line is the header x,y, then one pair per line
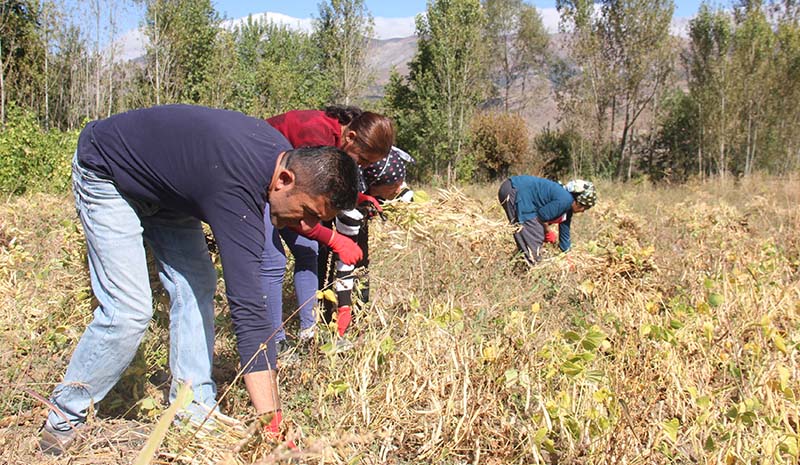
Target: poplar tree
x,y
752,55
448,79
519,43
624,55
182,36
710,84
20,52
343,32
786,85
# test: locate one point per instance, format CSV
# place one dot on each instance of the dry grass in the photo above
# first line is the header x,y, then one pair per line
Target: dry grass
x,y
670,334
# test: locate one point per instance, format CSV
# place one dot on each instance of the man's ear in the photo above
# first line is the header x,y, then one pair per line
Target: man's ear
x,y
284,180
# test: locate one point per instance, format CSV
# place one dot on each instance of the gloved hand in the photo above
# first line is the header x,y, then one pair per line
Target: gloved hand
x,y
374,207
274,427
344,315
349,252
550,237
273,430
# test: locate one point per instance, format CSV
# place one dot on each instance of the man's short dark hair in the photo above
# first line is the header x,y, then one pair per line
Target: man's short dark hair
x,y
327,172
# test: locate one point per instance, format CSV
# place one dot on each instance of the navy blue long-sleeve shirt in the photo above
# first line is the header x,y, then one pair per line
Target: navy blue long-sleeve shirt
x,y
215,165
546,200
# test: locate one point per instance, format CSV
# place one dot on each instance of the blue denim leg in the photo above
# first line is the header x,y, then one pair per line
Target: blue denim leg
x,y
273,267
118,271
188,275
305,274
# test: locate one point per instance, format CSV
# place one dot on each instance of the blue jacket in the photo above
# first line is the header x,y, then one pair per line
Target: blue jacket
x,y
545,200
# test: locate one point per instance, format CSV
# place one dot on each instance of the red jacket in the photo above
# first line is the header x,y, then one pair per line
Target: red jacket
x,y
308,128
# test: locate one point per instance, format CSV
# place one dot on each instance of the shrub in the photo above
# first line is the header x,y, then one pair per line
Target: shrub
x,y
564,152
33,159
499,141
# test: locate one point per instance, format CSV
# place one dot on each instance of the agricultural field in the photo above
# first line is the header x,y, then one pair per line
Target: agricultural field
x,y
670,334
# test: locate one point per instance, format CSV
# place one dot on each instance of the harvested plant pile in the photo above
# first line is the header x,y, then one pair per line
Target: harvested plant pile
x,y
669,334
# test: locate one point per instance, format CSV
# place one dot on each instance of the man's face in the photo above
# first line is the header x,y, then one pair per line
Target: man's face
x,y
577,208
290,206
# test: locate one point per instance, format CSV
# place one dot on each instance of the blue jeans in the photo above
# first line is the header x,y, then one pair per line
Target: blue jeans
x,y
116,229
273,268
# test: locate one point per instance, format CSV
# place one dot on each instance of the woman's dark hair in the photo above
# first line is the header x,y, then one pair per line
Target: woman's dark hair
x,y
374,132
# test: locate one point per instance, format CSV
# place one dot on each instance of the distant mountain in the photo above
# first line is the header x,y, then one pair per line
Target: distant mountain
x,y
384,56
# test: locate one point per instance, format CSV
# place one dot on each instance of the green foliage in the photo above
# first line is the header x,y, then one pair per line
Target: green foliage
x,y
499,141
519,43
276,70
342,34
786,64
625,54
565,152
21,52
434,106
555,148
742,74
33,159
182,36
753,42
675,151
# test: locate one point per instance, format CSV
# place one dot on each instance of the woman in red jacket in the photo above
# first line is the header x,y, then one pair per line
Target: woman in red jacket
x,y
367,137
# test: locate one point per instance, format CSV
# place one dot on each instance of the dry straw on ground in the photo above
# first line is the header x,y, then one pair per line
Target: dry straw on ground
x,y
669,334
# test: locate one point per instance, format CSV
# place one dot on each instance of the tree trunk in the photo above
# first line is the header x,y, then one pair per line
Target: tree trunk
x,y
721,136
112,49
87,101
2,88
46,73
700,141
507,71
623,144
98,60
630,157
613,114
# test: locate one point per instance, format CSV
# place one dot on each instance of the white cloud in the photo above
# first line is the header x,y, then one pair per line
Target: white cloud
x,y
298,24
392,28
130,45
549,19
680,27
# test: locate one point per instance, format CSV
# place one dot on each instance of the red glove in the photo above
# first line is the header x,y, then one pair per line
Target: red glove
x,y
343,318
349,252
550,237
364,198
273,430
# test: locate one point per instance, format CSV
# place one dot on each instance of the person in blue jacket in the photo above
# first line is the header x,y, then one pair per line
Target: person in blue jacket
x,y
151,176
534,202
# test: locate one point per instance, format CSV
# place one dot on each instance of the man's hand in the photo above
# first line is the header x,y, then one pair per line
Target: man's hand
x,y
550,237
273,430
349,252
